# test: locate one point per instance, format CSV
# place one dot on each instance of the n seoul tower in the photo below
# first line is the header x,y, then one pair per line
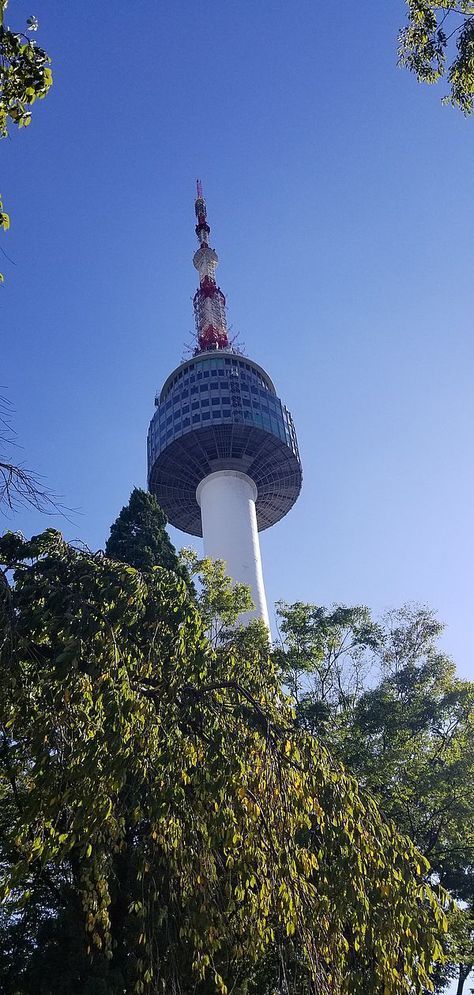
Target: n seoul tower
x,y
223,459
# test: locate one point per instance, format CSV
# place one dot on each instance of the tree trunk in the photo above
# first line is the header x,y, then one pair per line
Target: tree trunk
x,y
464,971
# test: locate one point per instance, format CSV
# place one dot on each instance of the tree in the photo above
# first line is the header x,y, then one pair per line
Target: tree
x,y
200,834
410,740
25,76
18,485
459,948
220,601
390,706
433,29
139,537
324,657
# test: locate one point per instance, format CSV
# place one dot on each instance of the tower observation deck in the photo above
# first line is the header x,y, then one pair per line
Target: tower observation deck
x,y
223,458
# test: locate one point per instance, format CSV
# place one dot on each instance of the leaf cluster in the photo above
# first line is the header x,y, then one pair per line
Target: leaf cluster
x,y
426,43
221,600
25,76
205,838
389,704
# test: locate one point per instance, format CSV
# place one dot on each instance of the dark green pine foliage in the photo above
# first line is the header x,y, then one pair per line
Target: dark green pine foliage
x,y
139,537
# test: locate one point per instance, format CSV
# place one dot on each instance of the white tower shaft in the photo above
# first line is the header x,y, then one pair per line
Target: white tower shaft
x,y
229,527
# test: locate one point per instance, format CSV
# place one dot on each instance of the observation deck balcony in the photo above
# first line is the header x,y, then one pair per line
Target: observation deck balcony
x,y
220,411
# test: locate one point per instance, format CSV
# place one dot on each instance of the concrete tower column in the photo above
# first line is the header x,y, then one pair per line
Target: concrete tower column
x,y
229,527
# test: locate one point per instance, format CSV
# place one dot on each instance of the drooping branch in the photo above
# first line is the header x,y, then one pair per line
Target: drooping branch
x,y
19,486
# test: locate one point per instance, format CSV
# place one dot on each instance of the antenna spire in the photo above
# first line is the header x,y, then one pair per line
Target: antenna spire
x,y
209,301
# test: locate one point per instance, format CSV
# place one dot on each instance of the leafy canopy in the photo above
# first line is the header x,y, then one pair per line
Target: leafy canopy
x,y
167,786
389,704
437,42
25,76
220,600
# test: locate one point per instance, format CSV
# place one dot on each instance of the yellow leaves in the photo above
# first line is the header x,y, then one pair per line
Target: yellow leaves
x,y
315,808
298,842
4,218
201,962
249,803
220,984
308,862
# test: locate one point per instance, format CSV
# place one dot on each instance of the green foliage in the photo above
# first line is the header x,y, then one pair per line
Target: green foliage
x,y
411,742
459,948
390,705
4,218
4,224
426,44
220,599
206,842
25,76
323,661
139,537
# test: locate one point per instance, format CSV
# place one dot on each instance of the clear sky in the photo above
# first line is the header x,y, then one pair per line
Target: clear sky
x,y
339,192
340,197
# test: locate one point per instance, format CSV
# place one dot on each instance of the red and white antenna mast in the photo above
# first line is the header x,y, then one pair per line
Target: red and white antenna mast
x,y
209,301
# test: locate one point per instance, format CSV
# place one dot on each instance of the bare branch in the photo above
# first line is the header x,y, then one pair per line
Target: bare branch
x,y
19,486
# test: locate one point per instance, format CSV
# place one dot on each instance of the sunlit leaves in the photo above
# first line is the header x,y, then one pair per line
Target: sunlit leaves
x,y
438,42
461,71
220,599
4,224
391,707
207,839
25,76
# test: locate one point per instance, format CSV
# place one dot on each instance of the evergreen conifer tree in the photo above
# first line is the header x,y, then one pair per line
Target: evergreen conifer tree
x,y
139,537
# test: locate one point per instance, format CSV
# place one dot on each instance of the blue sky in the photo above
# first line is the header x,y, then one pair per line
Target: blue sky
x,y
339,193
